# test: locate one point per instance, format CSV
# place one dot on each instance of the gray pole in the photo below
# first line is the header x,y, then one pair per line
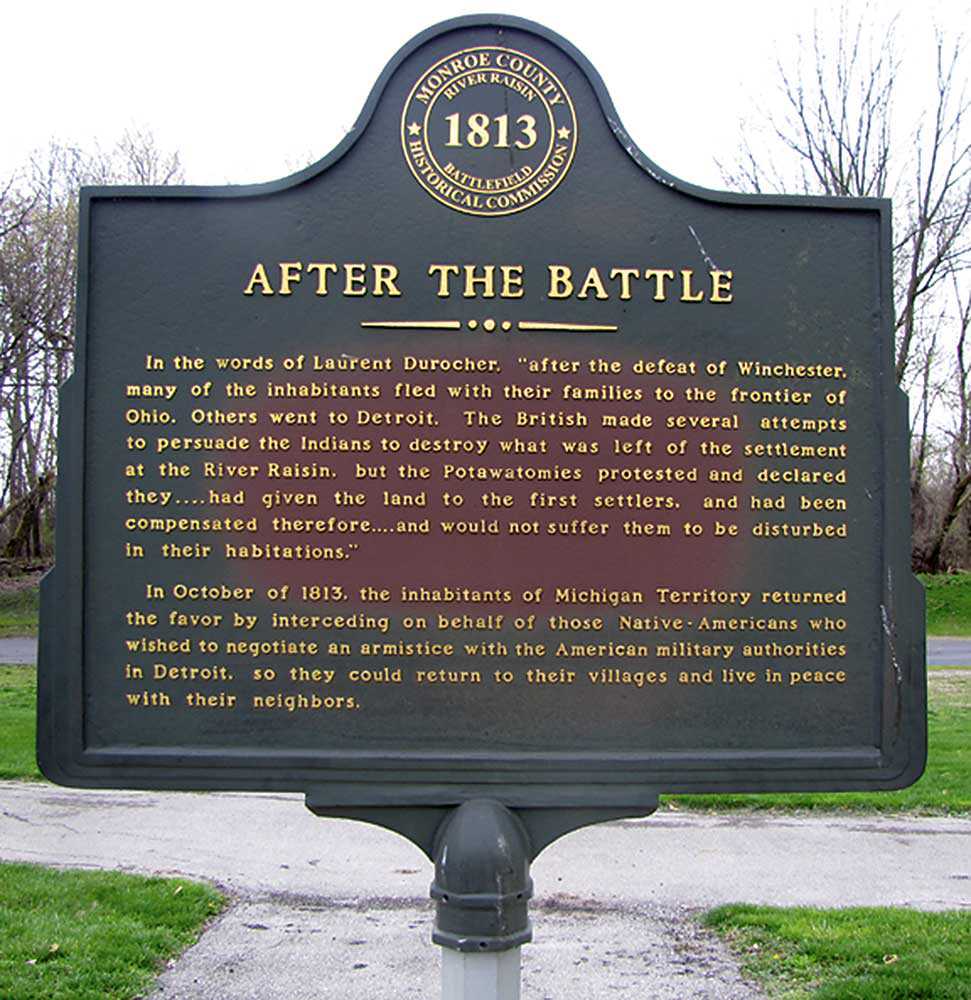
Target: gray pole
x,y
493,976
482,889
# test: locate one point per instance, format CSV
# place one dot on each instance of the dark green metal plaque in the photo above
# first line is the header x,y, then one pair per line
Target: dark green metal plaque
x,y
482,459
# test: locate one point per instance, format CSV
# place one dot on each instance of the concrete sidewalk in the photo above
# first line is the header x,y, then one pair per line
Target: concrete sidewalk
x,y
941,651
333,909
19,650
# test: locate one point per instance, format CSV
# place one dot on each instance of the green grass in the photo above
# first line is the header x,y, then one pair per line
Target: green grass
x,y
69,935
948,606
19,608
855,954
18,724
948,603
945,787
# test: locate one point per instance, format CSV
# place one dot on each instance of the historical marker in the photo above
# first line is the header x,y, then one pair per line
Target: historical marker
x,y
482,459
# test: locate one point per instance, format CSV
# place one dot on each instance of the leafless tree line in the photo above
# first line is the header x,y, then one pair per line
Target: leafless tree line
x,y
38,262
836,135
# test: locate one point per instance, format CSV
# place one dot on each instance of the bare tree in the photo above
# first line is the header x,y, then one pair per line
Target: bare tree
x,y
934,240
38,262
836,136
833,132
955,490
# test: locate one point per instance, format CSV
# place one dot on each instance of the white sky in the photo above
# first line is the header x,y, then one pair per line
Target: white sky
x,y
250,91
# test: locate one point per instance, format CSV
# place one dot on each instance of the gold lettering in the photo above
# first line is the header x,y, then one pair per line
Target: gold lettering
x,y
486,279
258,278
322,271
686,293
721,286
355,279
385,276
595,282
289,275
625,274
659,276
443,271
561,285
512,281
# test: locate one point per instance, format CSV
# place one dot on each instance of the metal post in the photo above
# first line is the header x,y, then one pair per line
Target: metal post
x,y
482,890
493,976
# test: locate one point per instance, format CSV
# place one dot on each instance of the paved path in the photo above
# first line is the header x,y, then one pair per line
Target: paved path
x,y
949,652
18,650
940,651
332,909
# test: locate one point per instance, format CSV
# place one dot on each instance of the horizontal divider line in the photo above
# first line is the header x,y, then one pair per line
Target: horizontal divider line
x,y
569,327
454,324
434,324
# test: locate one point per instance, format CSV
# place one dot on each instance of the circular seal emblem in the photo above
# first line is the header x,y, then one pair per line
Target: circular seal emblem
x,y
488,131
